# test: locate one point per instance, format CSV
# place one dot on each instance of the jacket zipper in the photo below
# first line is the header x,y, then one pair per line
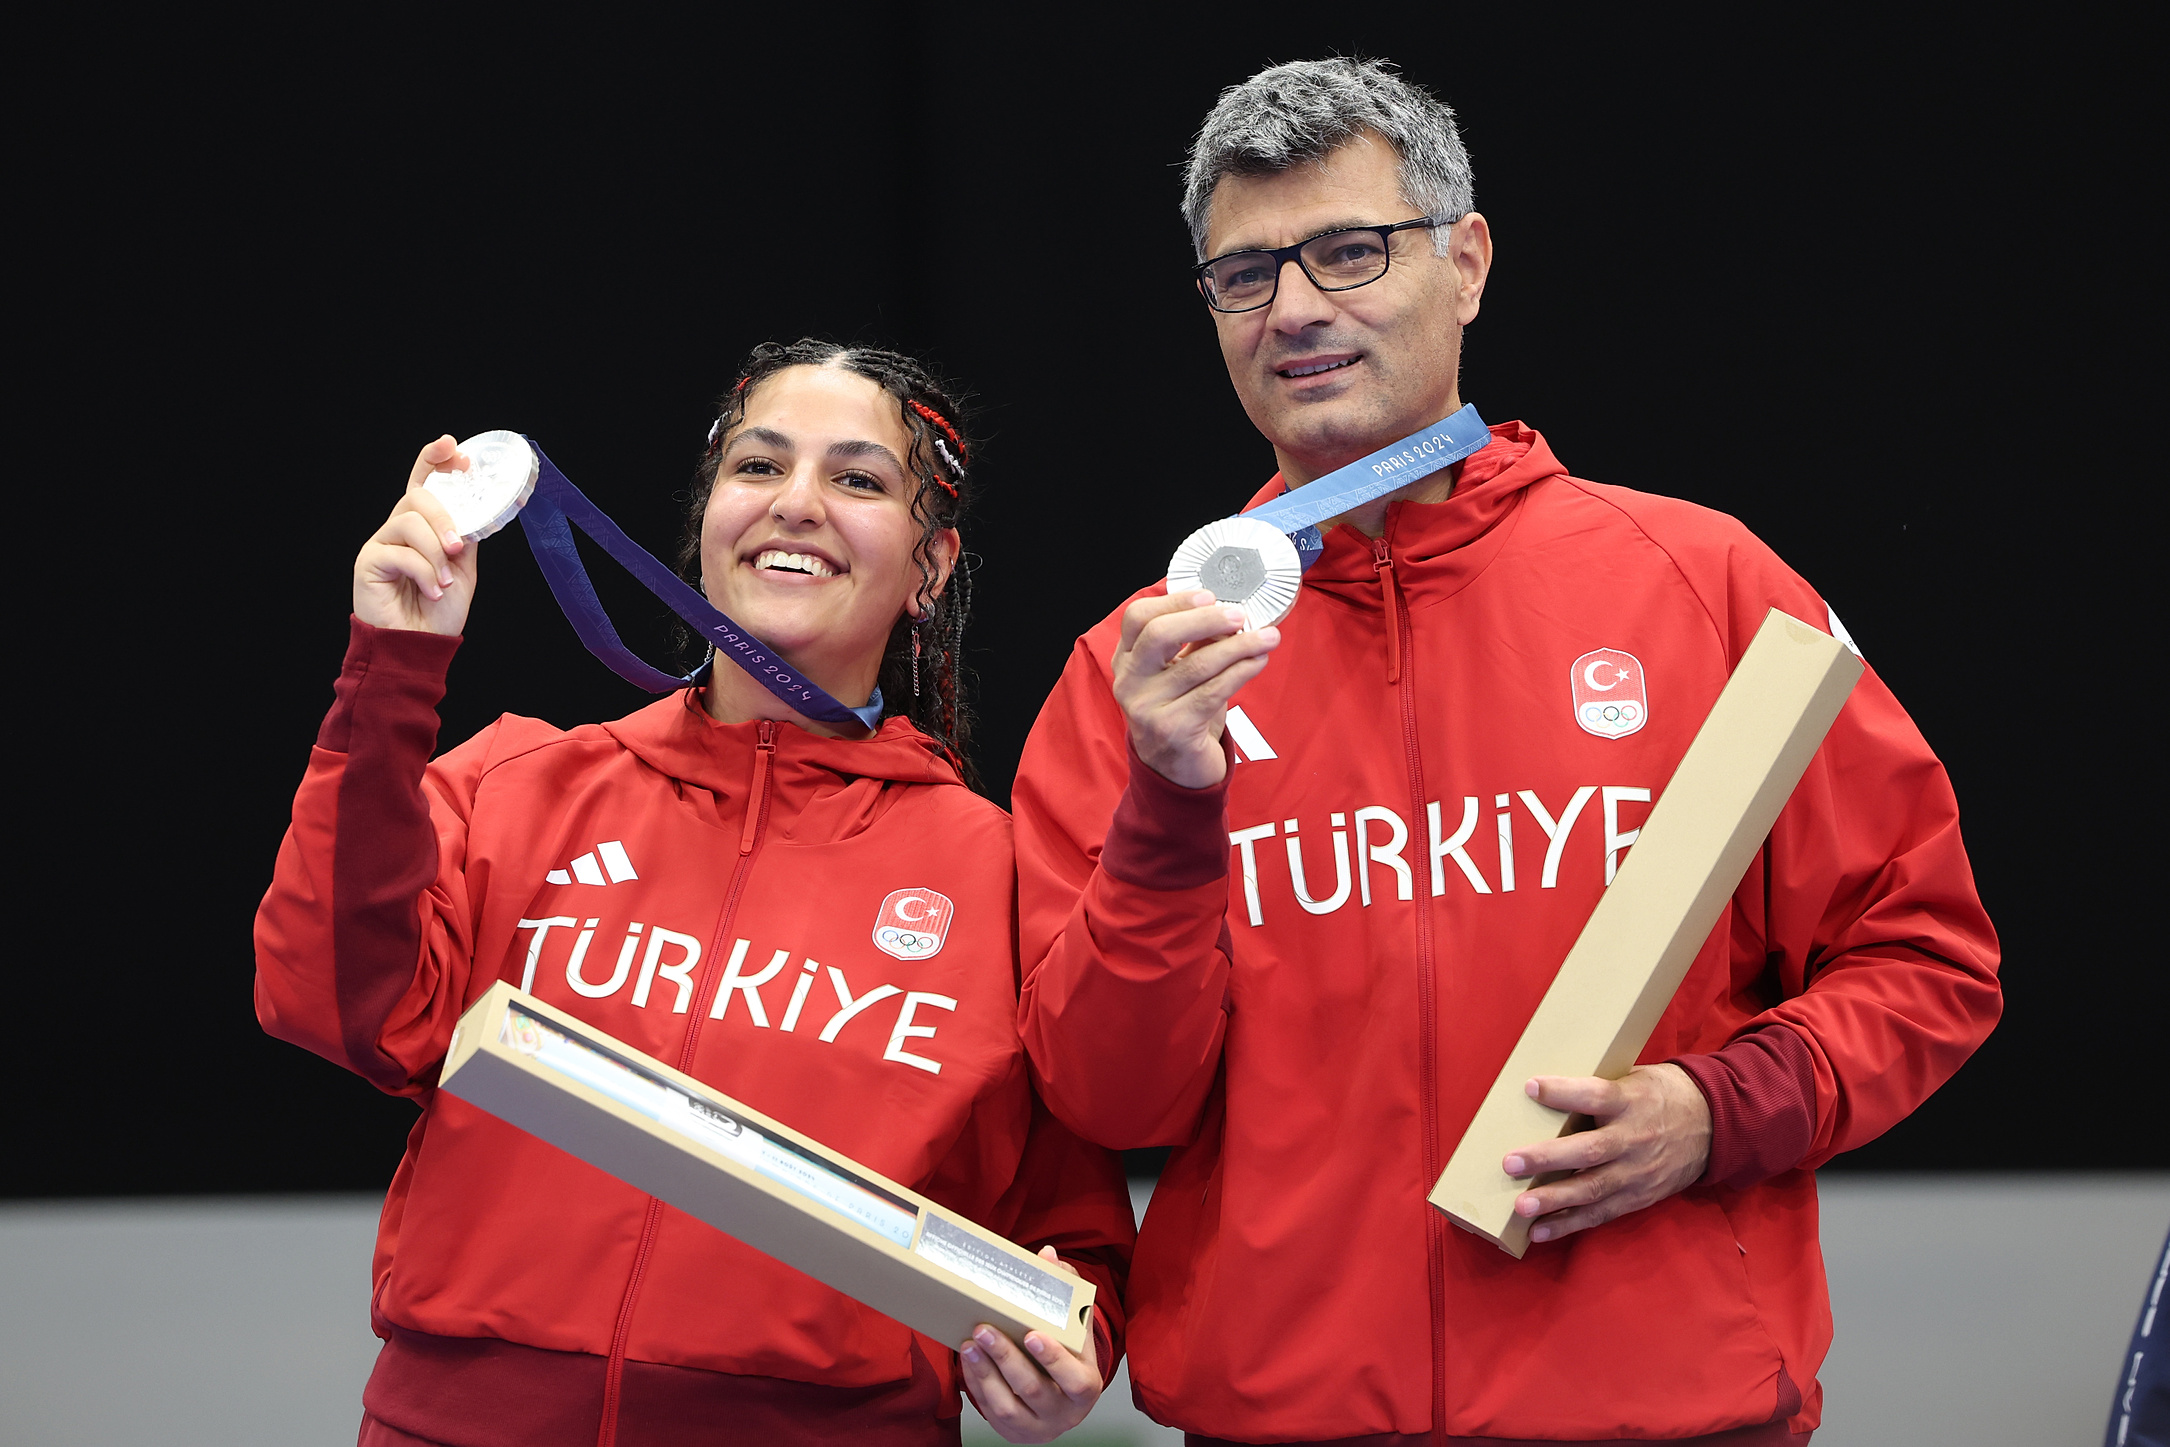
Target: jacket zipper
x,y
1390,588
749,845
1400,643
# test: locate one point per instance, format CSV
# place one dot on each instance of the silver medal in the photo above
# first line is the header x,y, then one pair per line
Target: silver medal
x,y
1243,561
500,478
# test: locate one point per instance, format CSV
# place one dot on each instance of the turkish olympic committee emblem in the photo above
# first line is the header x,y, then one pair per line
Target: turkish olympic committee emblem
x,y
913,923
1610,699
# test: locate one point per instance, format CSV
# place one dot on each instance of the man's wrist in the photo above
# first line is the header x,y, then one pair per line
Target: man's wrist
x,y
1178,767
1761,1091
1165,836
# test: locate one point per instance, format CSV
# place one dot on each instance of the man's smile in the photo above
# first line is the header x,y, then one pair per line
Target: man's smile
x,y
1314,366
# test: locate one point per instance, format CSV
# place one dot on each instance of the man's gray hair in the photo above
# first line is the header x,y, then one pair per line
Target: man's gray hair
x,y
1292,114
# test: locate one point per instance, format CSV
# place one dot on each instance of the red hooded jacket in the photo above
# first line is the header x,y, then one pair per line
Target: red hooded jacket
x,y
1306,979
710,894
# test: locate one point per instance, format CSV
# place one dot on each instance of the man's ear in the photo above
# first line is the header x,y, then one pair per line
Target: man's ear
x,y
1469,247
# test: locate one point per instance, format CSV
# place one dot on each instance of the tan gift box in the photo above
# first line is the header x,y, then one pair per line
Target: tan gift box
x,y
781,1193
1694,848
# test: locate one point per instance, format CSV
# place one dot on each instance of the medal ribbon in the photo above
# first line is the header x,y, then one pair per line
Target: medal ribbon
x,y
1423,452
548,521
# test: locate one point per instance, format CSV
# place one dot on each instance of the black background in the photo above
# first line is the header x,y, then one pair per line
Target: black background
x,y
1873,290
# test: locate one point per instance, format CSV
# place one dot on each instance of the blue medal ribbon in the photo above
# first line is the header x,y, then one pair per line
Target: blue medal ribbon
x,y
1299,512
548,520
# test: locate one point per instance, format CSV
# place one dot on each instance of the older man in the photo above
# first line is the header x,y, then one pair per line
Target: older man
x,y
1298,948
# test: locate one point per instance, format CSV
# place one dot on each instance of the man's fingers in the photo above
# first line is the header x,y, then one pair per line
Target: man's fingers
x,y
1577,1152
1145,610
1586,1189
1213,695
1198,680
1578,1094
1582,1218
1163,639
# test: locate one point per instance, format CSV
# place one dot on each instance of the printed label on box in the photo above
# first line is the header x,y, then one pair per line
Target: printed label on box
x,y
1042,1290
697,1120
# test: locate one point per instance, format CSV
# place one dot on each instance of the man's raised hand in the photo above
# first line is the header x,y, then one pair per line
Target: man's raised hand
x,y
1652,1140
416,572
1182,657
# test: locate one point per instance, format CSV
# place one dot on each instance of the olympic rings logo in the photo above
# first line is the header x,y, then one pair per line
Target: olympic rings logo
x,y
1612,713
906,942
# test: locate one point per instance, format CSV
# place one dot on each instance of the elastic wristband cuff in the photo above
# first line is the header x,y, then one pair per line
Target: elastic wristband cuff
x,y
1164,836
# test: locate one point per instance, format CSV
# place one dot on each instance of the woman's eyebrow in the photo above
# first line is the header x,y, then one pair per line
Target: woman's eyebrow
x,y
861,448
766,436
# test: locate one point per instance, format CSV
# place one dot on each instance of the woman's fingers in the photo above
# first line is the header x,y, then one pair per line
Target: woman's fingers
x,y
991,1390
1024,1399
416,572
410,528
440,456
443,455
1069,1372
1025,1381
1079,1377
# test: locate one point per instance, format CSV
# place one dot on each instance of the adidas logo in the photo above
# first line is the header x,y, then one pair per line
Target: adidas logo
x,y
585,870
1251,745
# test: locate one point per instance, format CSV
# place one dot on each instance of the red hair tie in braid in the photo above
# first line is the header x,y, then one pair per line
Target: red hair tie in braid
x,y
956,463
715,428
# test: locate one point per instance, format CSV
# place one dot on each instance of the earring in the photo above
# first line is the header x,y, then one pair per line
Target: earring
x,y
915,657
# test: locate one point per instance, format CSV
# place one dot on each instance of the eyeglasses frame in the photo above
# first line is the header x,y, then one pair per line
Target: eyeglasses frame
x,y
1283,255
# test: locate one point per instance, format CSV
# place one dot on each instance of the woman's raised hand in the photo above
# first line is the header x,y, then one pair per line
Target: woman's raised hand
x,y
416,572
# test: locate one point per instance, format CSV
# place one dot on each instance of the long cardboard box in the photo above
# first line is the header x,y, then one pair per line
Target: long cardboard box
x,y
716,1159
1631,956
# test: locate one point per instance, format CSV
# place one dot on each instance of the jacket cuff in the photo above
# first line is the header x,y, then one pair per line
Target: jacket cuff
x,y
1164,836
400,668
1762,1095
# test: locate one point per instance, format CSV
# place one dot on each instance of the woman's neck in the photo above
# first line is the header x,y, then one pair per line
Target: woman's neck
x,y
732,696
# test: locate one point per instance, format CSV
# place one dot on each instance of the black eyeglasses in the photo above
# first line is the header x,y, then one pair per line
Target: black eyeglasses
x,y
1244,281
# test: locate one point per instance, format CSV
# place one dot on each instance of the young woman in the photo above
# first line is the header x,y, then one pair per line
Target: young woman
x,y
707,880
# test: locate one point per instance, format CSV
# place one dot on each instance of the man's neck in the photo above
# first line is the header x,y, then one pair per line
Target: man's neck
x,y
1370,519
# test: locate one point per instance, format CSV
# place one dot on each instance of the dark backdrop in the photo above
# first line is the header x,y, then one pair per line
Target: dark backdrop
x,y
1868,290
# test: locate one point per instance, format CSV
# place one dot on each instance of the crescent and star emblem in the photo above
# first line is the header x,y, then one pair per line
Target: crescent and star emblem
x,y
913,899
1589,675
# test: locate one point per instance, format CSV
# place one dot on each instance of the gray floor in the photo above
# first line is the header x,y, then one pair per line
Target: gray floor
x,y
1977,1310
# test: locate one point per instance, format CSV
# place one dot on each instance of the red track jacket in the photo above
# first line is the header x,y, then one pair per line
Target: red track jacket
x,y
1306,980
709,894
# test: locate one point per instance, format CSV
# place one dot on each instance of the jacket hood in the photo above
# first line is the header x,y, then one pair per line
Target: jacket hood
x,y
1438,548
676,736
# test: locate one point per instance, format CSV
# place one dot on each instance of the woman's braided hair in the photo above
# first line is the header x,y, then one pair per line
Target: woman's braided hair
x,y
930,689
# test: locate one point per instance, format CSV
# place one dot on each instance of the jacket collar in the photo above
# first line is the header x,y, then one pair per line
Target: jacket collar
x,y
675,736
1437,548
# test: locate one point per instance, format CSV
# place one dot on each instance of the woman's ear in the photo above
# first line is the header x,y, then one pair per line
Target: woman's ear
x,y
942,550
